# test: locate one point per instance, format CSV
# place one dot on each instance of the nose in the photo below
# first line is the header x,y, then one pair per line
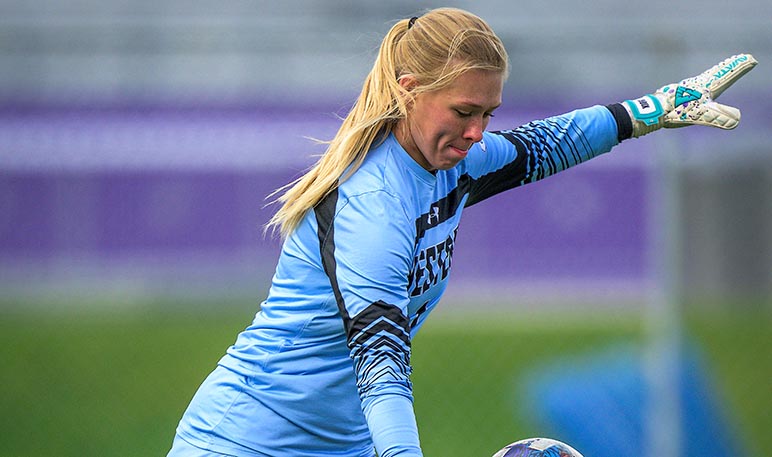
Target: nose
x,y
474,130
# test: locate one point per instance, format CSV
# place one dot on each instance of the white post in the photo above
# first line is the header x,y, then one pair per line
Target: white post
x,y
662,357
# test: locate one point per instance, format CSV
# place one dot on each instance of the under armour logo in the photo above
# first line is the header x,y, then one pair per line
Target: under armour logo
x,y
435,214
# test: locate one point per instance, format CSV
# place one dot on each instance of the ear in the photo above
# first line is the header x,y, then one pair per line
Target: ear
x,y
408,82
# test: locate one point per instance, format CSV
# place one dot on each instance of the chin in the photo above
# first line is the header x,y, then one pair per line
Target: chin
x,y
447,166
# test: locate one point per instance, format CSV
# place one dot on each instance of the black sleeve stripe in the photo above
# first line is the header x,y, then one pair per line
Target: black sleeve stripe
x,y
384,371
379,343
373,362
376,318
325,215
494,183
379,339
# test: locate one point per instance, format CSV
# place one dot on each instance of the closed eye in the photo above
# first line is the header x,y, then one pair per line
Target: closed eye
x,y
462,113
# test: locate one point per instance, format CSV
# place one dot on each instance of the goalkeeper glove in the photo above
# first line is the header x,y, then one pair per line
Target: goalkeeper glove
x,y
691,101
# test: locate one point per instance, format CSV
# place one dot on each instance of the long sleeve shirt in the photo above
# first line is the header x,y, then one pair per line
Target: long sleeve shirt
x,y
328,353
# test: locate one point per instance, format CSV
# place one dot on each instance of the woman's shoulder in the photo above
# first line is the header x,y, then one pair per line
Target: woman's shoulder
x,y
385,175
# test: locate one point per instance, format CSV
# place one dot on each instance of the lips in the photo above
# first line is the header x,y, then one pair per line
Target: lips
x,y
459,151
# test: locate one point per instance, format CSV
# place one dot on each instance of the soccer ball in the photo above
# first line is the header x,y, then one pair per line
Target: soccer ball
x,y
537,447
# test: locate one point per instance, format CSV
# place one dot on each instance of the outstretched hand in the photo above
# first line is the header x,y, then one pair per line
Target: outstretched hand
x,y
691,101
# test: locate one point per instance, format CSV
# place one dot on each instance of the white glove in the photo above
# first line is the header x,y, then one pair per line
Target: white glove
x,y
691,101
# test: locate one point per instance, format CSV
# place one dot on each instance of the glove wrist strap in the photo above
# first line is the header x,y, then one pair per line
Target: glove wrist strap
x,y
646,114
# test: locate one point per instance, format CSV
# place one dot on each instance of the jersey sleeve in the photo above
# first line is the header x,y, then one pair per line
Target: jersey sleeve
x,y
510,158
367,244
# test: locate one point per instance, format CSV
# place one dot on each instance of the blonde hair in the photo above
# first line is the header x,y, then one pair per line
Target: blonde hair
x,y
434,49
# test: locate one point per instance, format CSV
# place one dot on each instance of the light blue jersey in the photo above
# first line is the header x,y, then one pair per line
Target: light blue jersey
x,y
324,369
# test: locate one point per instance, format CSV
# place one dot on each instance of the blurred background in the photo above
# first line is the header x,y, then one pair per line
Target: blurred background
x,y
624,306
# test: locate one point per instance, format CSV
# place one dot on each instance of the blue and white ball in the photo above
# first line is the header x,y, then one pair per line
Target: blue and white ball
x,y
538,447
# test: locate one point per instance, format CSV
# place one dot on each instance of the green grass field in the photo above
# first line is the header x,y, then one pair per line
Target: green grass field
x,y
115,384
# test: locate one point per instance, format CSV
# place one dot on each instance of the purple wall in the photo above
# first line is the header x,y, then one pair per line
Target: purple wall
x,y
114,214
165,185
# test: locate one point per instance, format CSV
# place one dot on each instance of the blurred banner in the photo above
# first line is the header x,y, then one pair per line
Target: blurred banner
x,y
138,143
168,200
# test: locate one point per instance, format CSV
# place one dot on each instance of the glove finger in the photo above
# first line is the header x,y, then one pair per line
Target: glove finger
x,y
721,116
721,76
711,114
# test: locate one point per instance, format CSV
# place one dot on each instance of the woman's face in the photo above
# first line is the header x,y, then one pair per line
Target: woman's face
x,y
442,125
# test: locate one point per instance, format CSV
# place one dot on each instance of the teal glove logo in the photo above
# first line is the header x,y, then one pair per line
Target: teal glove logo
x,y
684,95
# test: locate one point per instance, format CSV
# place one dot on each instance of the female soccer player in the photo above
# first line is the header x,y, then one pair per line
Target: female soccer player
x,y
369,234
